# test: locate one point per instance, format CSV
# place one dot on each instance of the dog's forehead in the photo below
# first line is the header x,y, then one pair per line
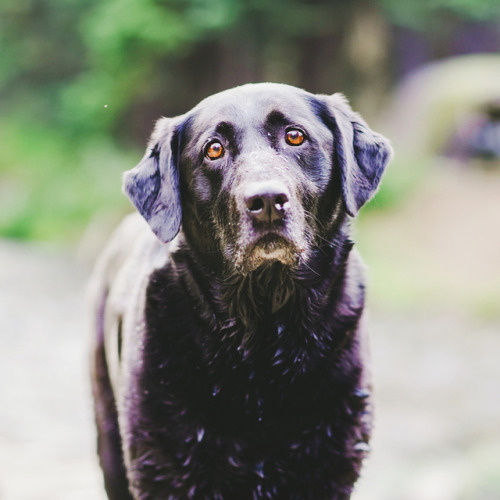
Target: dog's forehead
x,y
252,104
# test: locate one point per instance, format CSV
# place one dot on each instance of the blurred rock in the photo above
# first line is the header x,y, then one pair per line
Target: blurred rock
x,y
432,102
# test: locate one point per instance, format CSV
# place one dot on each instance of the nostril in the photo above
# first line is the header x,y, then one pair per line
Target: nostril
x,y
280,201
255,204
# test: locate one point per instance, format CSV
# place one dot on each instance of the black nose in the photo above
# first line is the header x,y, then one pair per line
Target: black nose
x,y
266,201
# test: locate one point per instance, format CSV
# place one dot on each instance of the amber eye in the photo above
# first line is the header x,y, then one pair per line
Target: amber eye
x,y
294,137
214,150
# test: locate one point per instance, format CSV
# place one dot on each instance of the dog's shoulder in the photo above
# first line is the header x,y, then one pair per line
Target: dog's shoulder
x,y
131,251
120,277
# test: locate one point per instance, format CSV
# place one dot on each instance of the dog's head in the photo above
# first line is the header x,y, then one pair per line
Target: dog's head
x,y
258,174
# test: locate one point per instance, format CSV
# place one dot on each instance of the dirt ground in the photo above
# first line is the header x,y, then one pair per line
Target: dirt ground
x,y
436,375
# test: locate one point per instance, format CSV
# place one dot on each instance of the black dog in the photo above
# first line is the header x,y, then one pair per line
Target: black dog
x,y
231,363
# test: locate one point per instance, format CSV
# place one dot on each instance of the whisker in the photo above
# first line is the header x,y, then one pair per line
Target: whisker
x,y
305,264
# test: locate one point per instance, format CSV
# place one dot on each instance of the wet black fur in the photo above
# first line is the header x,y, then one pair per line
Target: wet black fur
x,y
251,382
285,406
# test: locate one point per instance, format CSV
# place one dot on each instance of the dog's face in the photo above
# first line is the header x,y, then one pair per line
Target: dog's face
x,y
258,174
256,161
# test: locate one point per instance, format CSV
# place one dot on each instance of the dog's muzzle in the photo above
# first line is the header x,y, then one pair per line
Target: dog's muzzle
x,y
271,224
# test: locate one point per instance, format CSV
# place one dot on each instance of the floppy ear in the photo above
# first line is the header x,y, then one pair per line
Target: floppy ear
x,y
361,154
153,185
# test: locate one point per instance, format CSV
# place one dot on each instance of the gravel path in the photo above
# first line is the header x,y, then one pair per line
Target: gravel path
x,y
436,377
46,433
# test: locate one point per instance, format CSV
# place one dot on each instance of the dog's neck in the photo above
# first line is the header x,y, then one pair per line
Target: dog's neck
x,y
274,294
263,293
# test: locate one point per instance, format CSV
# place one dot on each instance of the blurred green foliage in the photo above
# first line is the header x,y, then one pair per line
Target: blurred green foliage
x,y
51,186
81,82
418,14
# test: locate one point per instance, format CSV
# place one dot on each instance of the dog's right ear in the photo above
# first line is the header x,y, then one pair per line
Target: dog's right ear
x,y
153,185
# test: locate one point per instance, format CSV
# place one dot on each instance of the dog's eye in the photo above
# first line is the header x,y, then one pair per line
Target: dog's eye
x,y
294,137
214,150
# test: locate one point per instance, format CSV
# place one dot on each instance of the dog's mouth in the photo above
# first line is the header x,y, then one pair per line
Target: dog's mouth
x,y
271,243
271,247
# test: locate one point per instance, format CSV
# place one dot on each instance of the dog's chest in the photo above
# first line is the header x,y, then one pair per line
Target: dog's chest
x,y
245,411
250,417
278,385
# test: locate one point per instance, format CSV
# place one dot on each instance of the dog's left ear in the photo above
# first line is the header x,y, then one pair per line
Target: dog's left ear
x,y
153,185
360,153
